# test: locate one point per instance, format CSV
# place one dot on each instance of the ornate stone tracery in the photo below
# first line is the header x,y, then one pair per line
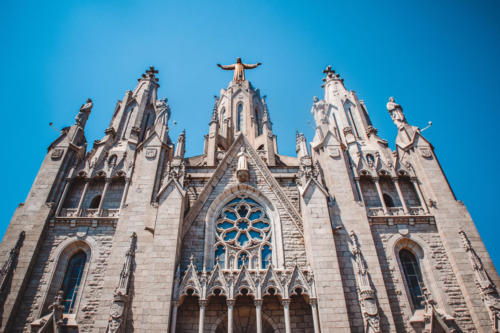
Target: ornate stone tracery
x,y
243,234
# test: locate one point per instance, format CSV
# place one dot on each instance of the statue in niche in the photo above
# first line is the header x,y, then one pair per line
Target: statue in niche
x,y
239,69
242,168
396,112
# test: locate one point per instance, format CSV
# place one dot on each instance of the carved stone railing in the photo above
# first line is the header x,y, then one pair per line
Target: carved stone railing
x,y
69,212
90,212
110,212
397,215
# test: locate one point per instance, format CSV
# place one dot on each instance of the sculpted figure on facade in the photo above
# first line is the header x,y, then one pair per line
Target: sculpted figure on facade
x,y
83,114
396,112
239,69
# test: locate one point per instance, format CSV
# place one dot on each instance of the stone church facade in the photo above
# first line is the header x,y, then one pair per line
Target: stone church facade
x,y
346,236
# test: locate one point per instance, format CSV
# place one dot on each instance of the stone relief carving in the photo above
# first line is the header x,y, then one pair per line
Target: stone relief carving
x,y
57,154
426,153
151,153
367,295
488,290
121,299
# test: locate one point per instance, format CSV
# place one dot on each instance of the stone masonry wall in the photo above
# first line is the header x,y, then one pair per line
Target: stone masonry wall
x,y
40,281
444,283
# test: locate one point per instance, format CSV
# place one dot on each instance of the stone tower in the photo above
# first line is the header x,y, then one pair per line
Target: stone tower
x,y
346,236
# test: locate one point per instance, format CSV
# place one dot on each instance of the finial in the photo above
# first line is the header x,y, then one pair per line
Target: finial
x,y
191,259
331,75
150,74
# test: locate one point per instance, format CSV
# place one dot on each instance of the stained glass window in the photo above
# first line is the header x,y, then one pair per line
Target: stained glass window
x,y
244,225
413,276
239,118
72,279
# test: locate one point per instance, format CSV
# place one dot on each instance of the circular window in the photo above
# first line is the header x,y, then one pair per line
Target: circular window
x,y
243,223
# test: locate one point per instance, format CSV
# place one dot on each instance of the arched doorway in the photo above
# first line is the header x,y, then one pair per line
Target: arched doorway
x,y
244,318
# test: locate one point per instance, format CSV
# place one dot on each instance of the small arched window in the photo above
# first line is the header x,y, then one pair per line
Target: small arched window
x,y
413,277
95,202
239,117
72,280
388,200
242,259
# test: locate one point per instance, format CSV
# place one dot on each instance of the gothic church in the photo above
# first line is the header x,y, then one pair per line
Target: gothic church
x,y
346,236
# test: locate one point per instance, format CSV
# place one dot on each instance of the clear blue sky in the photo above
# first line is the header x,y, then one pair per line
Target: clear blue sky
x,y
440,59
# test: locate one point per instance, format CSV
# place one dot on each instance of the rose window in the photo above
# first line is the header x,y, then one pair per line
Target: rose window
x,y
243,231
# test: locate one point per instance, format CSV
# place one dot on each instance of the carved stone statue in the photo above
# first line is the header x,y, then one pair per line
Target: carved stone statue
x,y
242,168
242,160
396,112
239,69
83,114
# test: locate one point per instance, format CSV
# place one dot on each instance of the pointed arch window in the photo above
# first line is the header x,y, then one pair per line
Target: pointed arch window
x,y
239,117
388,200
95,202
413,277
243,231
72,280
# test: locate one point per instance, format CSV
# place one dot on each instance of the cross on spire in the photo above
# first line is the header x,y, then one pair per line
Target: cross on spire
x,y
150,74
330,74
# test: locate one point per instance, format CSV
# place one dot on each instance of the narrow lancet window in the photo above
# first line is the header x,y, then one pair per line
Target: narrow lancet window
x,y
413,277
259,122
72,279
239,118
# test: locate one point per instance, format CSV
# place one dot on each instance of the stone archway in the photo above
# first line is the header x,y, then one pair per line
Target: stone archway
x,y
244,320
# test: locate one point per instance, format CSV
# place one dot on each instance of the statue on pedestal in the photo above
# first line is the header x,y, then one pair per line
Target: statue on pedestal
x,y
239,69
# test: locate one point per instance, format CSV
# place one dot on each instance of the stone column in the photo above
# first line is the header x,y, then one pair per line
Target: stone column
x,y
103,195
286,310
358,187
230,306
314,308
125,191
258,314
84,192
63,196
173,320
380,195
400,194
203,304
419,193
